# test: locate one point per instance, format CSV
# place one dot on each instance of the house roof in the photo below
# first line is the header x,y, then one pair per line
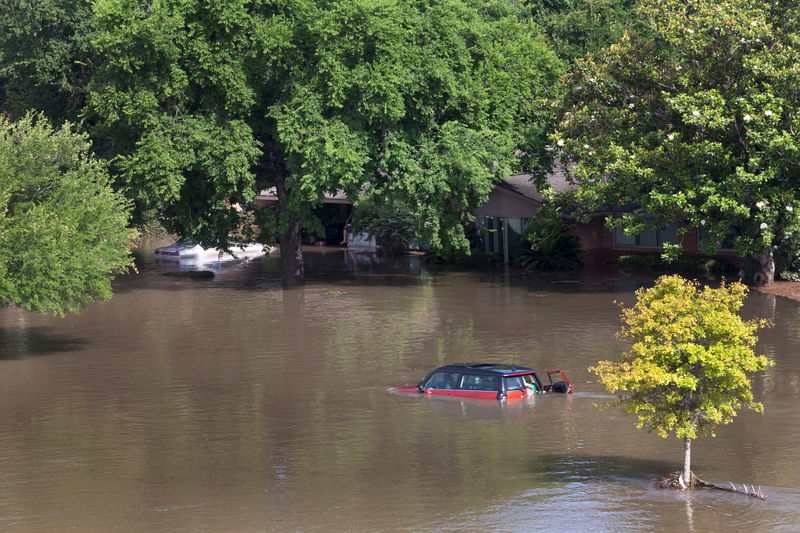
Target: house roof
x,y
520,184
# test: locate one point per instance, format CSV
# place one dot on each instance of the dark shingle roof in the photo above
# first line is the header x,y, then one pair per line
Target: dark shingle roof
x,y
519,183
522,184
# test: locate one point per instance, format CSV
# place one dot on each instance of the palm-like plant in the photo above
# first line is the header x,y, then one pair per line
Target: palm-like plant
x,y
548,247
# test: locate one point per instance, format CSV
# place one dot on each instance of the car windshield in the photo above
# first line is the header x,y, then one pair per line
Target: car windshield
x,y
442,380
186,241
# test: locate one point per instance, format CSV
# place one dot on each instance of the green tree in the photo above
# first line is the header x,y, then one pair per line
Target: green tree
x,y
580,27
45,57
63,230
426,102
693,118
391,222
686,371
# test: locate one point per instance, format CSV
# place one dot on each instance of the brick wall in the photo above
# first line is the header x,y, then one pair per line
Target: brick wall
x,y
597,242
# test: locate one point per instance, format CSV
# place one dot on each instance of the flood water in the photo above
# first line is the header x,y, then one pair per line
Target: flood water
x,y
230,405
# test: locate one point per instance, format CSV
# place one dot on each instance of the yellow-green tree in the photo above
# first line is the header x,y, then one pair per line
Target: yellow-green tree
x,y
687,370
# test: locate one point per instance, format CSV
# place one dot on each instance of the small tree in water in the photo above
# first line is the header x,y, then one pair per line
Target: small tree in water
x,y
686,371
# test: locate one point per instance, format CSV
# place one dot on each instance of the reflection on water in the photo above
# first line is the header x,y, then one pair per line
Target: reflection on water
x,y
231,405
475,408
20,341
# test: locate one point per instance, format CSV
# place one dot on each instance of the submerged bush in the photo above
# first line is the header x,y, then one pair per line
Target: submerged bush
x,y
393,224
654,262
477,257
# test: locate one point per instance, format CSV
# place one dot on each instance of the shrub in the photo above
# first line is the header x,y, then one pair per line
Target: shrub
x,y
392,224
548,247
654,263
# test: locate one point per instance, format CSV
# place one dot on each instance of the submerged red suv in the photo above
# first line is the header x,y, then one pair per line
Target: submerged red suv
x,y
490,381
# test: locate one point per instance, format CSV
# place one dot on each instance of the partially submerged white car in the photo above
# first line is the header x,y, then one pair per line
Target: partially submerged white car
x,y
186,248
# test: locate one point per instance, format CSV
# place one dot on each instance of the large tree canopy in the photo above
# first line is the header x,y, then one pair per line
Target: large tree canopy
x,y
63,230
693,118
426,103
579,27
45,56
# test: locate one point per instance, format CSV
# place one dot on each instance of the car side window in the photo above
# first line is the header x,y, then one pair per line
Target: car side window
x,y
491,383
478,382
531,382
515,383
470,382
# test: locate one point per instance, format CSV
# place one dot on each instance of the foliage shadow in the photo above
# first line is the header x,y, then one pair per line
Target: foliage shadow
x,y
19,343
602,468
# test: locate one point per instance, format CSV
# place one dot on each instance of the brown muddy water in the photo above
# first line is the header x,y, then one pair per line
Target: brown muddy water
x,y
230,405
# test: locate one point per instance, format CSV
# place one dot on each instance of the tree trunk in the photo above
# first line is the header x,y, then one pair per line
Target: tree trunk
x,y
292,270
291,252
687,462
761,268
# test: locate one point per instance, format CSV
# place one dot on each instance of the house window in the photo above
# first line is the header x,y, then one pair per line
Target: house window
x,y
501,236
516,228
491,229
650,238
727,242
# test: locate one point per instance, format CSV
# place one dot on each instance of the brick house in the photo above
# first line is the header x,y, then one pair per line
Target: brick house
x,y
512,203
502,220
